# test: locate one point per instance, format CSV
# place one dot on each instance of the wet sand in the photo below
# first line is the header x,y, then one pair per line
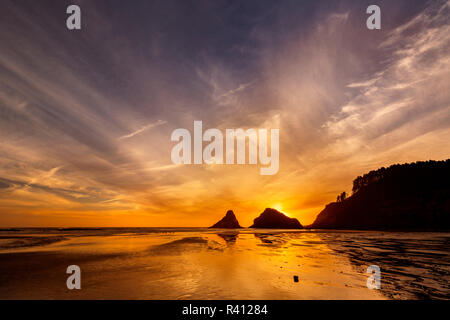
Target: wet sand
x,y
222,264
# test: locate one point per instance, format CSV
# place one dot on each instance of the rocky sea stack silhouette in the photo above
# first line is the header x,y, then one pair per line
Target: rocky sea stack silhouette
x,y
273,219
228,222
414,196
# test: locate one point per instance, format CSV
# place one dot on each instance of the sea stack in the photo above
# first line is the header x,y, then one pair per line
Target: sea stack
x,y
273,219
228,222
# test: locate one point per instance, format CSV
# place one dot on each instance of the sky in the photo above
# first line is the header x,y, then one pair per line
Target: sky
x,y
86,116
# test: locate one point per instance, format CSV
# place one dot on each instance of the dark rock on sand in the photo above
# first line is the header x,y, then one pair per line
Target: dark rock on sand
x,y
273,219
228,222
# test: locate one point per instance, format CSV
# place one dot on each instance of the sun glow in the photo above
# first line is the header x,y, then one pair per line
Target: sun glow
x,y
279,207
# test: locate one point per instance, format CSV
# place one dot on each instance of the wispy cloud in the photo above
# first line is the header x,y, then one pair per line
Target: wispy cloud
x,y
408,95
144,128
362,84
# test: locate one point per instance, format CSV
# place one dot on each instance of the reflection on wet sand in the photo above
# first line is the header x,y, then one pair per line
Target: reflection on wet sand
x,y
272,240
230,238
413,265
219,264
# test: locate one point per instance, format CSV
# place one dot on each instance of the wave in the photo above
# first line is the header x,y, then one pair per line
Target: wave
x,y
24,242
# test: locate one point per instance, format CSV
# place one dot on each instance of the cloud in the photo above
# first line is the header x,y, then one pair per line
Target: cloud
x,y
339,16
362,84
144,128
409,94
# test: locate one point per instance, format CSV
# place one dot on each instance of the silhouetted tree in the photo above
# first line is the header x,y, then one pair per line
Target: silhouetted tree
x,y
402,175
341,197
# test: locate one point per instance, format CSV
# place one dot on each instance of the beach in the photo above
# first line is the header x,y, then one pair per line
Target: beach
x,y
200,263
